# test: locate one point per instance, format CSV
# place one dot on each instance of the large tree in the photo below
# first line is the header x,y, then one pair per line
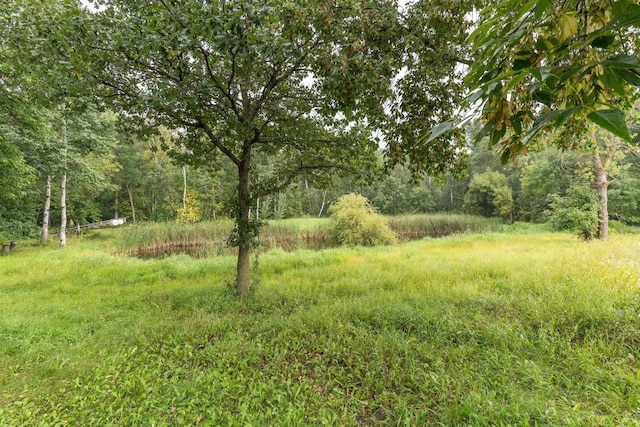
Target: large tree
x,y
294,80
305,82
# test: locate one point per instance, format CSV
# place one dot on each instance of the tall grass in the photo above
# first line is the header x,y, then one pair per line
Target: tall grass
x,y
483,330
412,227
158,237
205,238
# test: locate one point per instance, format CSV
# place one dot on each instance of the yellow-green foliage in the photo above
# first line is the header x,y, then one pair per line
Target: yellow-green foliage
x,y
190,211
356,223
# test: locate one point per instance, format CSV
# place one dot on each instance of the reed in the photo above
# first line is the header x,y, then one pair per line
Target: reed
x,y
413,227
210,237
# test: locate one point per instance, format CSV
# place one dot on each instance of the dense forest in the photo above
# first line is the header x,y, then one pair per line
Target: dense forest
x,y
113,175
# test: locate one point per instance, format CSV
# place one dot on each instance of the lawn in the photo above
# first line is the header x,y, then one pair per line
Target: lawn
x,y
513,328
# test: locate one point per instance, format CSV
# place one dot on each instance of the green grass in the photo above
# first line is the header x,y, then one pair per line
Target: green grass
x,y
496,329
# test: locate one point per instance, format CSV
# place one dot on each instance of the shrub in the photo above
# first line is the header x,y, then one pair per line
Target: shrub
x,y
355,222
489,196
576,212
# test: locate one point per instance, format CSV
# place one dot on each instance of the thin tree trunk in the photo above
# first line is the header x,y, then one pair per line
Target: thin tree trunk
x,y
324,199
47,210
116,214
63,210
213,200
184,189
602,185
63,189
133,209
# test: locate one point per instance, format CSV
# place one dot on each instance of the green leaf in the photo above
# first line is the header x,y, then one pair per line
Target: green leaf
x,y
564,115
542,73
543,44
526,8
541,6
490,75
613,121
516,81
484,131
626,13
474,97
625,62
546,98
496,136
629,76
603,42
441,129
570,73
612,80
516,122
519,64
540,122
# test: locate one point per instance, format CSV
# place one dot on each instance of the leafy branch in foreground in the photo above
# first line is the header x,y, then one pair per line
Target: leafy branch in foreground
x,y
543,65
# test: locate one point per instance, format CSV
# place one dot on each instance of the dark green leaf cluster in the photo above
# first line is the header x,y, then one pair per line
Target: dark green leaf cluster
x,y
542,64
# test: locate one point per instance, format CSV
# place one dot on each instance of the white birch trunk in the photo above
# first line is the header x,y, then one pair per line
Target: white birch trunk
x,y
63,211
324,199
133,209
63,190
47,210
116,203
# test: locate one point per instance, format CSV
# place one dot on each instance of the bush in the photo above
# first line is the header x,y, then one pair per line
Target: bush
x,y
15,229
576,212
190,211
354,222
489,196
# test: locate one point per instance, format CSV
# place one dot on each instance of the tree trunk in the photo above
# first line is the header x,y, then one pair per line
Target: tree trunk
x,y
602,185
133,209
47,210
184,189
63,210
324,199
243,222
116,214
213,200
63,189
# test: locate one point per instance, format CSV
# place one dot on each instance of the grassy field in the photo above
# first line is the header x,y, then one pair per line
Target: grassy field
x,y
515,328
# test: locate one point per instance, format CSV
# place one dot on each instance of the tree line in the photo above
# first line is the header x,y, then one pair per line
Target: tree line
x,y
111,175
